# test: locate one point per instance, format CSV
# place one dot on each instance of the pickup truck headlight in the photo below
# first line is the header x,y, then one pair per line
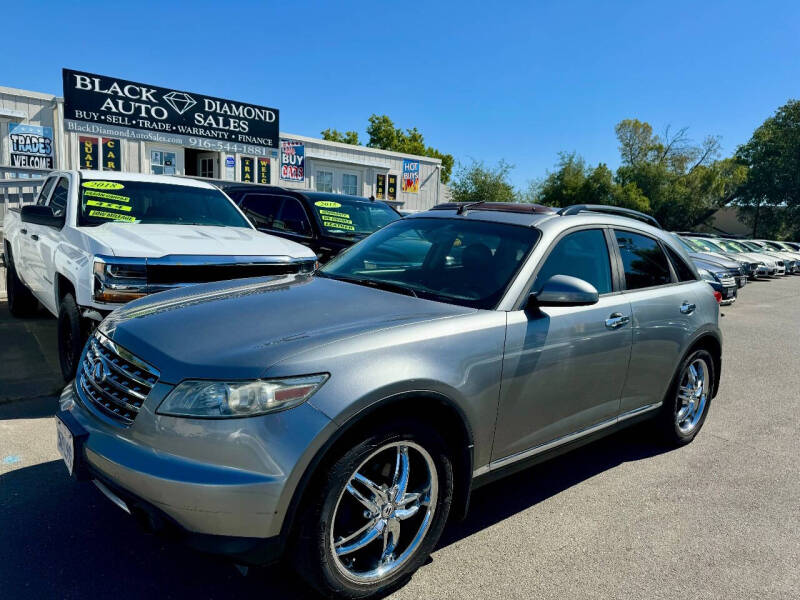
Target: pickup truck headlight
x,y
224,399
706,275
119,281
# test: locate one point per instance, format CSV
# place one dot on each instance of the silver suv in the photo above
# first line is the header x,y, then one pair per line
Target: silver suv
x,y
341,418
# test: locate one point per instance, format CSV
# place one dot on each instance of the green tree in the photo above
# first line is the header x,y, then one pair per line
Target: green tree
x,y
574,182
334,135
385,135
477,182
770,193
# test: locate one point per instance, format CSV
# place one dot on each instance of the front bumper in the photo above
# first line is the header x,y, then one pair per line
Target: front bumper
x,y
228,480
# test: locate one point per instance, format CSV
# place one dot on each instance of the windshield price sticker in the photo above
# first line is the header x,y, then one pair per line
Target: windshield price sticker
x,y
112,216
109,205
327,204
107,196
103,185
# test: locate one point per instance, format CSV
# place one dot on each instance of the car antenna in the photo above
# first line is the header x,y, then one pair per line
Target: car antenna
x,y
462,210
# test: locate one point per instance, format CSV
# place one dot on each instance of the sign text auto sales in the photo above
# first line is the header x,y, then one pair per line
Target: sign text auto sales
x,y
126,104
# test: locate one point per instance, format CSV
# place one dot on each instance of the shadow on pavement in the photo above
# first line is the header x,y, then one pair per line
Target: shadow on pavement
x,y
62,539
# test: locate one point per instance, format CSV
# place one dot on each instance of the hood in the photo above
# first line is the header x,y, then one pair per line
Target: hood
x,y
237,329
148,241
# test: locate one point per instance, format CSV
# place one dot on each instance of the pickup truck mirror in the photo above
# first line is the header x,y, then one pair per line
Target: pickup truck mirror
x,y
41,215
563,290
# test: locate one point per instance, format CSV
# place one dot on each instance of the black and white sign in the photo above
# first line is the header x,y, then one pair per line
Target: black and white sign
x,y
31,146
107,106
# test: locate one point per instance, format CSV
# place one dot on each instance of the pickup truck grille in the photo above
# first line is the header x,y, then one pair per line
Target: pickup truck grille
x,y
179,274
114,381
728,281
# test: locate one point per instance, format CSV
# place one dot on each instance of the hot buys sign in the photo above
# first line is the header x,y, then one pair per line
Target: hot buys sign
x,y
292,160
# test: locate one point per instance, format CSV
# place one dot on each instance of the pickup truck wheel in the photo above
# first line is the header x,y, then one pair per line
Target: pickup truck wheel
x,y
72,335
377,513
21,302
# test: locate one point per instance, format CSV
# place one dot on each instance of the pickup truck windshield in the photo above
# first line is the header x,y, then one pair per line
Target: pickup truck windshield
x,y
342,218
458,261
104,201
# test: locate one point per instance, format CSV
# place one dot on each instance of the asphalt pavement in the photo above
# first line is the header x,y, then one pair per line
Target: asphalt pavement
x,y
621,518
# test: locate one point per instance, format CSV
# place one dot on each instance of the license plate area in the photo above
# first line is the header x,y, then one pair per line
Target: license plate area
x,y
70,437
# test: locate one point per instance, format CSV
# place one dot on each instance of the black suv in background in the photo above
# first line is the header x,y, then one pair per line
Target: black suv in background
x,y
326,223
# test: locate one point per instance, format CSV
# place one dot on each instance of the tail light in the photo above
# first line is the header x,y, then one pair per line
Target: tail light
x,y
718,296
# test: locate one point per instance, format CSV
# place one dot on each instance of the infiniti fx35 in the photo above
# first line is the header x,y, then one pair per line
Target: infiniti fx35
x,y
339,419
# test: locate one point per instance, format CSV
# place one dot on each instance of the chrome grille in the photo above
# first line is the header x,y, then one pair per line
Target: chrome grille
x,y
727,281
115,381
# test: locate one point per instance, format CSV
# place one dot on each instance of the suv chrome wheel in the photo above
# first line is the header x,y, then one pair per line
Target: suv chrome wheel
x,y
692,395
383,512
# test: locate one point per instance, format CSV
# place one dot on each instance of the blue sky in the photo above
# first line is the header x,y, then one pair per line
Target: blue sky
x,y
514,80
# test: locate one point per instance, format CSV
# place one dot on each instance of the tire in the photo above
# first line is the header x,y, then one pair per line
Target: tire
x,y
72,335
686,406
333,514
21,302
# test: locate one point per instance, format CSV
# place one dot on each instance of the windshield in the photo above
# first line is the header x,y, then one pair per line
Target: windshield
x,y
143,202
731,246
459,261
344,218
687,244
706,246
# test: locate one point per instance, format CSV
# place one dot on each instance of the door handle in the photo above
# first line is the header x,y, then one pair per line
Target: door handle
x,y
617,320
23,231
687,308
34,237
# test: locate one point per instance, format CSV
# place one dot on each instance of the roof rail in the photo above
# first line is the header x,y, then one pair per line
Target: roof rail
x,y
612,210
512,207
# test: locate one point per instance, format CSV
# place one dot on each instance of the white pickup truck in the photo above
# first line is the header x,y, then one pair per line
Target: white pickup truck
x,y
93,241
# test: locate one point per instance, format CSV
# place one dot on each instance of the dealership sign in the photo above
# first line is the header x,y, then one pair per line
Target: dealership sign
x,y
31,146
95,104
292,160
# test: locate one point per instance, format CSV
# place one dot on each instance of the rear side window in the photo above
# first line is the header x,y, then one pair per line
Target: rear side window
x,y
583,254
293,218
58,201
643,260
262,209
682,270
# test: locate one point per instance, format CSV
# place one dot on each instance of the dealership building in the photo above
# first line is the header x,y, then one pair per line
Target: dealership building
x,y
109,124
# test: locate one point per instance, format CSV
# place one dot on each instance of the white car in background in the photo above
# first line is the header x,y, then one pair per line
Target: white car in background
x,y
94,241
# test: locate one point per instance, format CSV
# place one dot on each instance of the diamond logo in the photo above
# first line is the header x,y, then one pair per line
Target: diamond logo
x,y
180,101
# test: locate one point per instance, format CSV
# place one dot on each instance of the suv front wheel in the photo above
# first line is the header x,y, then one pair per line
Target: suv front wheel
x,y
382,507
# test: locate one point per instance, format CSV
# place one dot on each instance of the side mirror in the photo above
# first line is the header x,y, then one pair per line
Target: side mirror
x,y
563,290
41,215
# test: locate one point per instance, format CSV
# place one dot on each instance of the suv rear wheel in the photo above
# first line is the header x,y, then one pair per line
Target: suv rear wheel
x,y
689,398
383,506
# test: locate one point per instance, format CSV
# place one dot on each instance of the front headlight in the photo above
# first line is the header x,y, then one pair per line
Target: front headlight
x,y
119,280
706,275
223,399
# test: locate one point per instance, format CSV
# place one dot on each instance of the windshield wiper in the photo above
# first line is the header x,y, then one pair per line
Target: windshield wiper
x,y
373,283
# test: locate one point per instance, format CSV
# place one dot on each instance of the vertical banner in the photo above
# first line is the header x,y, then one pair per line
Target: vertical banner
x,y
111,157
88,152
380,186
31,146
391,192
292,160
263,170
410,176
247,169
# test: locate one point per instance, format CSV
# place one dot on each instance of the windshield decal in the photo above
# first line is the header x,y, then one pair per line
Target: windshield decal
x,y
106,196
120,207
327,204
336,220
103,185
101,214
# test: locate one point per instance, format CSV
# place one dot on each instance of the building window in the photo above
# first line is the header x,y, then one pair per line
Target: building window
x,y
325,181
162,162
350,184
101,154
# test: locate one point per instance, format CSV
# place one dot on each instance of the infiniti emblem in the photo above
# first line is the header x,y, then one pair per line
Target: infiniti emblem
x,y
99,371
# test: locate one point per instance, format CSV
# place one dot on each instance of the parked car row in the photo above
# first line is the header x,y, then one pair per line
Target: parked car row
x,y
727,263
